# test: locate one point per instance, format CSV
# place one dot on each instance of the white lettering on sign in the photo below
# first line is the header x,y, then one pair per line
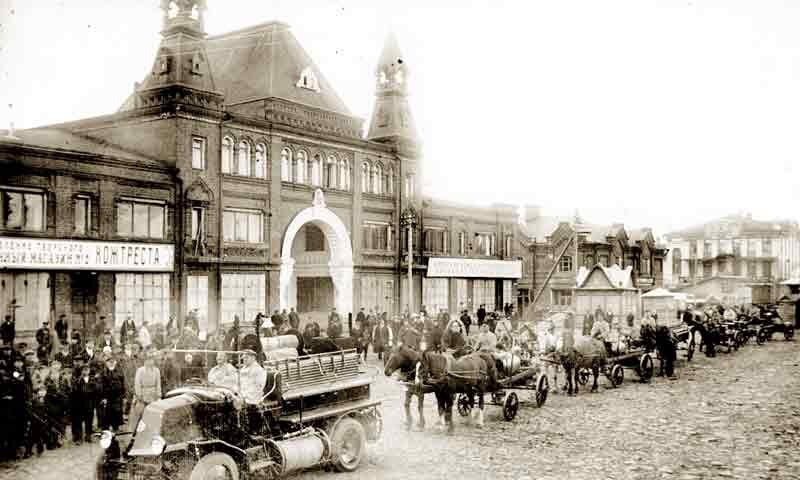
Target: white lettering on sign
x,y
46,254
474,268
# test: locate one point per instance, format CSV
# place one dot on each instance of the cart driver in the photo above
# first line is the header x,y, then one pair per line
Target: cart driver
x,y
223,374
600,331
253,378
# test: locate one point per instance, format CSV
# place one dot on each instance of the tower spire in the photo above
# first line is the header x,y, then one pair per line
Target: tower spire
x,y
391,115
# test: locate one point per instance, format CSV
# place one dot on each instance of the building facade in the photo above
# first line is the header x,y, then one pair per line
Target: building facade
x,y
268,194
736,259
553,261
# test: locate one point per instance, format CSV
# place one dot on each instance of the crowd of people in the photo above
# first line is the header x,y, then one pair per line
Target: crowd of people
x,y
76,382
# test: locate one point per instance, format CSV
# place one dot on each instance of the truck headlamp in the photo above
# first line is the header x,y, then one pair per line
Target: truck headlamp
x,y
105,439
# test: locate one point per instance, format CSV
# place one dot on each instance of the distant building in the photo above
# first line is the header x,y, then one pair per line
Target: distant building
x,y
552,262
734,258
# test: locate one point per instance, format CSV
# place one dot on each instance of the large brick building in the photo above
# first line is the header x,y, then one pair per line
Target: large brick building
x,y
552,261
238,163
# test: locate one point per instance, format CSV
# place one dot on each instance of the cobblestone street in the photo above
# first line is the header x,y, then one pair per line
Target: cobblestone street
x,y
733,416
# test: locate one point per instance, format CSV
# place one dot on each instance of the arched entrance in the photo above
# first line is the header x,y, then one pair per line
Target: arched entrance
x,y
339,264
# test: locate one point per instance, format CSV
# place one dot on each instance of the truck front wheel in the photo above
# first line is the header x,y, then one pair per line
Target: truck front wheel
x,y
348,444
215,466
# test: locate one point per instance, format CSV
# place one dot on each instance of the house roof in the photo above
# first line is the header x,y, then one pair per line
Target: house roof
x,y
63,140
266,60
744,224
544,226
616,277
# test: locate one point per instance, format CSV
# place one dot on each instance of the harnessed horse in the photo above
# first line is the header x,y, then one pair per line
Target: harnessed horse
x,y
407,360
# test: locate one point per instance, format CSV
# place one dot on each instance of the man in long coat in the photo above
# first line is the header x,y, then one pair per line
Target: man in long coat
x,y
112,393
82,403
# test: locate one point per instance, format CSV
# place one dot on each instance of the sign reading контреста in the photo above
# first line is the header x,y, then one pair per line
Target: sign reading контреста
x,y
45,254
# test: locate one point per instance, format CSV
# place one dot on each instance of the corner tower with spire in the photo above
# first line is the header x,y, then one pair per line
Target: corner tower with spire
x,y
181,73
392,121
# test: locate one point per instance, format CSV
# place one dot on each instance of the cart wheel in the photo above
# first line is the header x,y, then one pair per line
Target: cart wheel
x,y
617,375
646,367
690,350
583,376
761,337
464,405
542,386
510,406
741,339
788,333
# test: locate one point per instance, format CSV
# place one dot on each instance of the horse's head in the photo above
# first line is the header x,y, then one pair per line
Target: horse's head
x,y
402,358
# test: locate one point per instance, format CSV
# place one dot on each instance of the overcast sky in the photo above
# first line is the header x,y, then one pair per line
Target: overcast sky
x,y
651,113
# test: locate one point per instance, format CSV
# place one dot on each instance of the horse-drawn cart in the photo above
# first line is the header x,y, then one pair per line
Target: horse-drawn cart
x,y
514,373
639,360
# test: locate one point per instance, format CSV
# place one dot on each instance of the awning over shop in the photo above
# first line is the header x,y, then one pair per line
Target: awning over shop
x,y
474,268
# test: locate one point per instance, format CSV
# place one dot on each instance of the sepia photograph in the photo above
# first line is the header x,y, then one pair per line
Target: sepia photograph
x,y
373,239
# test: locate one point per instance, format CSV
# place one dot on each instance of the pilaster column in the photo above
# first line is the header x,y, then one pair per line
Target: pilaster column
x,y
274,218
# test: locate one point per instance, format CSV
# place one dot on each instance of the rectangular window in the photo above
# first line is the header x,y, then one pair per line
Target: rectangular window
x,y
565,265
23,210
738,267
485,244
197,299
436,240
483,292
706,248
243,296
751,247
603,260
242,226
707,269
197,222
143,297
83,214
562,298
198,153
767,269
751,270
435,294
766,247
315,239
140,219
378,236
30,294
588,261
508,245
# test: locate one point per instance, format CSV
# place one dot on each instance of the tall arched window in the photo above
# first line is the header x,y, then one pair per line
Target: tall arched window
x,y
332,172
227,154
243,160
316,171
365,177
261,161
344,174
300,167
286,165
389,181
377,179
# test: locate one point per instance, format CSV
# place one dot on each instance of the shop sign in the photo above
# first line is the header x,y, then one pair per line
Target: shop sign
x,y
474,268
46,254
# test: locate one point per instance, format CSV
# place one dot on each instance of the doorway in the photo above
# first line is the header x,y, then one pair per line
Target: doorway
x,y
84,286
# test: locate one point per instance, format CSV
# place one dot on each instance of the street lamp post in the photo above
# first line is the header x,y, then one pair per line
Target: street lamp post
x,y
409,220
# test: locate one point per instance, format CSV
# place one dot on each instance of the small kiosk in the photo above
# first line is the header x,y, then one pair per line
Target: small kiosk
x,y
609,290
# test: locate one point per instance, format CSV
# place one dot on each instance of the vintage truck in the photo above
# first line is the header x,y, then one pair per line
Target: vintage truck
x,y
317,411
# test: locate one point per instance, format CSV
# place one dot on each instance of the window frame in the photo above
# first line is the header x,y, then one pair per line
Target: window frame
x,y
248,213
227,154
23,192
202,152
565,264
260,151
287,164
87,214
245,146
134,202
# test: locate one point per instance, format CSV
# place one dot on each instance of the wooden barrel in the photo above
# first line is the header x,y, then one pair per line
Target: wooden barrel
x,y
279,342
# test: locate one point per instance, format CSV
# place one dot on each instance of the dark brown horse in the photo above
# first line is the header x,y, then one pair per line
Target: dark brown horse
x,y
586,353
472,374
407,360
